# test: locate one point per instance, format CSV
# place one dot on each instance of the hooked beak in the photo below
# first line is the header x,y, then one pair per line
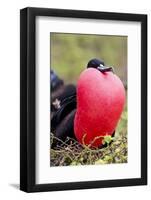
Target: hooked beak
x,y
103,68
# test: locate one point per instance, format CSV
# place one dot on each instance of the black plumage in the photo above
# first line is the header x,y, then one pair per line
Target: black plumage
x,y
63,108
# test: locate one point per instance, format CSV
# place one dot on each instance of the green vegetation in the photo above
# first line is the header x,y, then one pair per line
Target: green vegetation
x,y
71,152
70,53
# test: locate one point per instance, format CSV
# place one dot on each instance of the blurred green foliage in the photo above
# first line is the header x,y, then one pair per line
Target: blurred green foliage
x,y
70,53
122,124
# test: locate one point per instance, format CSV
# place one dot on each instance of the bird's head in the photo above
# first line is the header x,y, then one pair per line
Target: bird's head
x,y
99,65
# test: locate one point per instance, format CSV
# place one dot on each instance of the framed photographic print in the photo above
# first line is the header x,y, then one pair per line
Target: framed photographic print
x,y
83,99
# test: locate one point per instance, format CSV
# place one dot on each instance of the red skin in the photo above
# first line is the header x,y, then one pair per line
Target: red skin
x,y
100,102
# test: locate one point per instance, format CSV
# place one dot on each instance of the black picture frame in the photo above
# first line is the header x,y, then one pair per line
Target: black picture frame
x,y
28,98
